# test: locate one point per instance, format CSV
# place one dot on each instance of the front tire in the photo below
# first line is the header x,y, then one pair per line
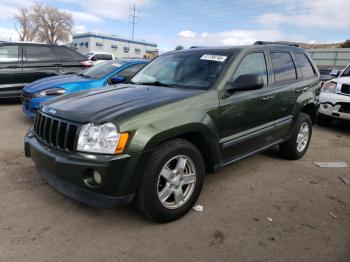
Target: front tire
x,y
172,181
298,144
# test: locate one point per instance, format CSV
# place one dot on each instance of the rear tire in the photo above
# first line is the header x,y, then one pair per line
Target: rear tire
x,y
172,181
298,144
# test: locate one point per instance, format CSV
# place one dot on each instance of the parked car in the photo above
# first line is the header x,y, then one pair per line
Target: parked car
x,y
152,139
23,63
97,58
335,99
106,73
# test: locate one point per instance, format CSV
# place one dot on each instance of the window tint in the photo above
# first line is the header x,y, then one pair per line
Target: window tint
x,y
103,57
64,54
9,53
283,67
252,64
305,66
39,54
130,71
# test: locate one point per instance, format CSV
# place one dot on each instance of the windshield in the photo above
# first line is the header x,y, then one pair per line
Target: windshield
x,y
346,72
196,70
102,69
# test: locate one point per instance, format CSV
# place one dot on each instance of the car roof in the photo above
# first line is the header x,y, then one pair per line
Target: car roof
x,y
234,49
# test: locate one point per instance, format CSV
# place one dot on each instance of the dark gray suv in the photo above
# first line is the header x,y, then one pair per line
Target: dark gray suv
x,y
23,63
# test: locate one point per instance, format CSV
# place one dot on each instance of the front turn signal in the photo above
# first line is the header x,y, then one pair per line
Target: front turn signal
x,y
123,139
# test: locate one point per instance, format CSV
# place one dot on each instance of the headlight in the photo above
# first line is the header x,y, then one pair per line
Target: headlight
x,y
103,139
329,87
51,92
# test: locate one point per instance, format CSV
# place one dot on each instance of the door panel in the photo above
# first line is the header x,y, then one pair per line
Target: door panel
x,y
11,77
285,82
39,62
246,118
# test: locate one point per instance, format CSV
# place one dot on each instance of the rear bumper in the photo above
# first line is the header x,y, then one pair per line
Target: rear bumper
x,y
335,106
67,172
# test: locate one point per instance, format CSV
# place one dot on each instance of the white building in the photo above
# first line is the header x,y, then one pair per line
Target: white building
x,y
120,47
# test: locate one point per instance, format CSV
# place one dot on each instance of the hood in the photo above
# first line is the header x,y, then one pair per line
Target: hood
x,y
114,103
342,80
54,81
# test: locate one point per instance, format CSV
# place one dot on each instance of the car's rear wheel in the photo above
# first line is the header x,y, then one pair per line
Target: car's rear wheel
x,y
298,144
172,181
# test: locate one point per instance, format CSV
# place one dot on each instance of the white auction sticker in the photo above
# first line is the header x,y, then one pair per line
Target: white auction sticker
x,y
217,58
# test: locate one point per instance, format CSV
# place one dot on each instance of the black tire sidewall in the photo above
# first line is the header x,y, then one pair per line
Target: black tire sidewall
x,y
303,118
157,162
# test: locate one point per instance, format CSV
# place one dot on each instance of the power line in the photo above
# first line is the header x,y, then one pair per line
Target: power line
x,y
133,17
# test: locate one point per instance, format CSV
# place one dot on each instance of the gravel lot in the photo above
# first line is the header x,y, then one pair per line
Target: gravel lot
x,y
39,224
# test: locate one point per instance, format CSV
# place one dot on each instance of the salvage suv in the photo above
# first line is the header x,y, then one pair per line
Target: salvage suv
x,y
150,141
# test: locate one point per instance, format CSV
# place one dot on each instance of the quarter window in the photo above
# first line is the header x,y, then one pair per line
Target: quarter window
x,y
39,54
252,64
9,54
283,67
305,66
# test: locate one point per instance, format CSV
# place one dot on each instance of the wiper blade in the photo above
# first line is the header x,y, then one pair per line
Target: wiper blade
x,y
156,83
85,76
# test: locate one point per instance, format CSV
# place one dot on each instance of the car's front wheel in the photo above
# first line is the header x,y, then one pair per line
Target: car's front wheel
x,y
172,181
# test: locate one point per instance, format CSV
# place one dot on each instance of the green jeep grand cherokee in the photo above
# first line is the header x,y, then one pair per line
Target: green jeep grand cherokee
x,y
152,140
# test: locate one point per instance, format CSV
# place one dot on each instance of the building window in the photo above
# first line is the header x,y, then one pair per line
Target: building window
x,y
137,50
99,44
126,49
114,46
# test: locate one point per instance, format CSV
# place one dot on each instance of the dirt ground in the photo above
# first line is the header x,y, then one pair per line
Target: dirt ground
x,y
39,224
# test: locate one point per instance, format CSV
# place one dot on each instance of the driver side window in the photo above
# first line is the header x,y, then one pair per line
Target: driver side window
x,y
252,64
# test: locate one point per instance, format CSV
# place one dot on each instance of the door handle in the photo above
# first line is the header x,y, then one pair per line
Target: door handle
x,y
301,90
267,98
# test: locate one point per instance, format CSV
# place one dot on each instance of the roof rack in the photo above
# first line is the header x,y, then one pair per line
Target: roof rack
x,y
276,43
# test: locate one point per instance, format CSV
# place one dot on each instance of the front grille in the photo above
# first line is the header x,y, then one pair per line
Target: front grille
x,y
26,99
345,89
344,108
55,132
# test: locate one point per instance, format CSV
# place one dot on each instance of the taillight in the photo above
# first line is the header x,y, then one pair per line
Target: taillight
x,y
87,63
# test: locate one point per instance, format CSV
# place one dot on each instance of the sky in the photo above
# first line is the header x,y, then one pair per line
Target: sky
x,y
196,22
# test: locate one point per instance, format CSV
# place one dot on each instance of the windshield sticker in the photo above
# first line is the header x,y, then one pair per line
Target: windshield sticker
x,y
217,58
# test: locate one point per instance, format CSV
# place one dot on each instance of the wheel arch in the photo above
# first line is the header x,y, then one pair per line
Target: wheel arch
x,y
311,110
198,135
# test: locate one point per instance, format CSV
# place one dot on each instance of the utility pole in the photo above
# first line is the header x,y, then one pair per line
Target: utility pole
x,y
133,17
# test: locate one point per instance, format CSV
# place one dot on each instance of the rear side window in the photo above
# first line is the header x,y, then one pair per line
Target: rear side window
x,y
65,54
9,53
283,67
130,71
305,66
252,64
39,54
103,57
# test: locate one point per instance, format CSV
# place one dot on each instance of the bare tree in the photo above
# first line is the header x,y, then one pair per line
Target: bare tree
x,y
25,25
53,25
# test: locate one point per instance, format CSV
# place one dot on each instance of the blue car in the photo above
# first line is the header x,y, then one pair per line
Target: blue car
x,y
106,73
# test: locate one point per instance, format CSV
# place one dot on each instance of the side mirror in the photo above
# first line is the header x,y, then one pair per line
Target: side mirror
x,y
246,83
117,80
335,73
93,59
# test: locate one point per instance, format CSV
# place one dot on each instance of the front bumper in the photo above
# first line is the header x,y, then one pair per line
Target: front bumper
x,y
31,105
66,172
335,105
